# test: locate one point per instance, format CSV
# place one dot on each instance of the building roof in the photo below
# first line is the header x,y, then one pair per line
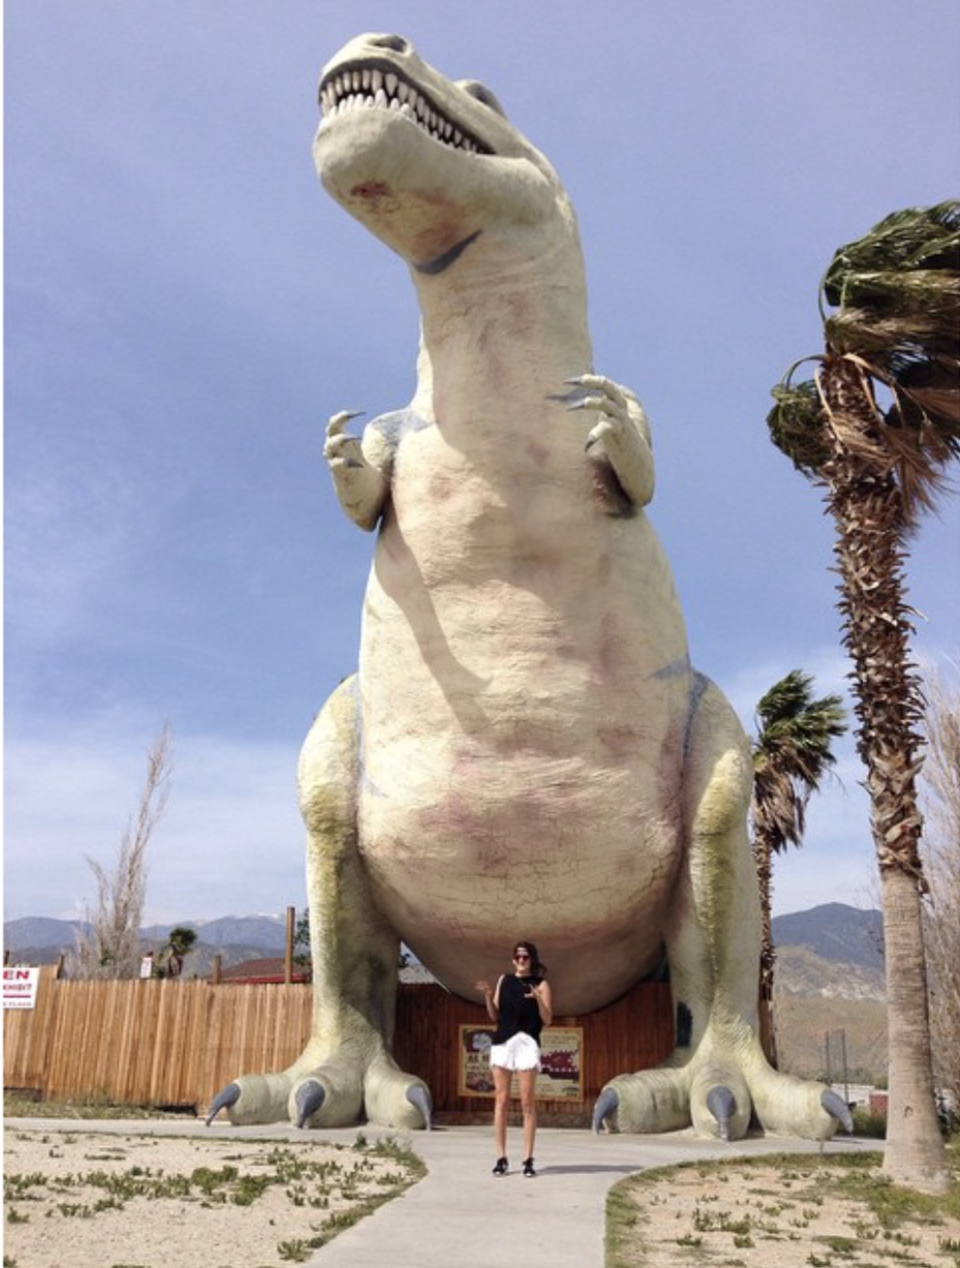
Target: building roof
x,y
269,970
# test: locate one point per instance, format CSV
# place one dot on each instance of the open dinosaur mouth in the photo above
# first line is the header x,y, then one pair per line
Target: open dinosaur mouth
x,y
380,86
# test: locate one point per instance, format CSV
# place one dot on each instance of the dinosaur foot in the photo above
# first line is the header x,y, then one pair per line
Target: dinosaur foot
x,y
335,1093
719,1101
716,1103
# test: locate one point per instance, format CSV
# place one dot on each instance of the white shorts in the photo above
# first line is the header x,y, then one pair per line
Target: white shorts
x,y
521,1052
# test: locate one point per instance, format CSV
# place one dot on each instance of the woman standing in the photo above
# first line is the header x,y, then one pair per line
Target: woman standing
x,y
521,1005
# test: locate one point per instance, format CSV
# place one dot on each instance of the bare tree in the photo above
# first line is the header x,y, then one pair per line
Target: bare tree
x,y
941,789
108,943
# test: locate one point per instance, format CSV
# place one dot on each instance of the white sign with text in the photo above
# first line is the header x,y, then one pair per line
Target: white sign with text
x,y
20,987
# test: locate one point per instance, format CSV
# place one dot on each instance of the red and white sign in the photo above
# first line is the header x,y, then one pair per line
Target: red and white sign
x,y
20,987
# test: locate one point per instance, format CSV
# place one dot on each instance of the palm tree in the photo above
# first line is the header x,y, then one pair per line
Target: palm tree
x,y
791,754
179,944
876,429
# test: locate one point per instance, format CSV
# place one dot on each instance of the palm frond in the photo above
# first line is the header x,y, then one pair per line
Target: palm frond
x,y
797,426
791,755
915,239
919,310
897,290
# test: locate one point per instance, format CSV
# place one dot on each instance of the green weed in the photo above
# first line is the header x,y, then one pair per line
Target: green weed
x,y
689,1240
298,1250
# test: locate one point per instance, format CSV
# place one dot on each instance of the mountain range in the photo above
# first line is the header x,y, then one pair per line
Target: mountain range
x,y
834,951
42,940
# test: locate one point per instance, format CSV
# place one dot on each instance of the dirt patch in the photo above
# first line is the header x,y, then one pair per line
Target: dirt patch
x,y
107,1201
805,1214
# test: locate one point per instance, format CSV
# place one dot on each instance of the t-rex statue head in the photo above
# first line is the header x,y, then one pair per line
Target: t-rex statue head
x,y
430,165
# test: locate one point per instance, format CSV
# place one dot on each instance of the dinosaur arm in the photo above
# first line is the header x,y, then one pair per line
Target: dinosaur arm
x,y
360,470
622,433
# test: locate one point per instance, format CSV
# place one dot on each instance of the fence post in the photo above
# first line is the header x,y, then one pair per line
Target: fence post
x,y
288,955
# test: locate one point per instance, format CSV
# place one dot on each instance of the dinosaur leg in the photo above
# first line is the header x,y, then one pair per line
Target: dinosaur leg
x,y
717,1075
346,1072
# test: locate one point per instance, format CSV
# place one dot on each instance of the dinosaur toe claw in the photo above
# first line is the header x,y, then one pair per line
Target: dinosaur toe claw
x,y
834,1104
722,1104
309,1098
420,1097
608,1102
223,1100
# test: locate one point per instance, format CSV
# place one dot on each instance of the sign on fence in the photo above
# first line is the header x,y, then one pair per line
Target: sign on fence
x,y
20,987
561,1063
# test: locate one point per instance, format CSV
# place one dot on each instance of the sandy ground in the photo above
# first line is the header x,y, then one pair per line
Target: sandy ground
x,y
110,1201
760,1216
99,1200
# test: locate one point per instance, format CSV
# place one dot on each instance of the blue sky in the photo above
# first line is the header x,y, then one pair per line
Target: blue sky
x,y
185,307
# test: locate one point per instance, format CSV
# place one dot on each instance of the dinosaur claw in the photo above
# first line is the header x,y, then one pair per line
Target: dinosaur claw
x,y
337,422
309,1098
608,1102
582,390
223,1100
722,1104
834,1104
420,1097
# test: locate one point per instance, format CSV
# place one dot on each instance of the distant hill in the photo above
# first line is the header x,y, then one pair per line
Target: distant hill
x,y
833,951
829,980
834,932
268,932
41,940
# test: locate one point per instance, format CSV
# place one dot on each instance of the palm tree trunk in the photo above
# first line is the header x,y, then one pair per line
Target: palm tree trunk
x,y
868,511
915,1156
764,861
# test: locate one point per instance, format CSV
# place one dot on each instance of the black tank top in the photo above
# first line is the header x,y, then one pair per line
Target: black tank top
x,y
518,1010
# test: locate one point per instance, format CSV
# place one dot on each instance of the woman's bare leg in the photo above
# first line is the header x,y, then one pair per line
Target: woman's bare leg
x,y
528,1104
501,1108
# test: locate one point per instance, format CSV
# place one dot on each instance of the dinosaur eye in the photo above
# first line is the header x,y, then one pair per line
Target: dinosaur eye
x,y
394,42
483,95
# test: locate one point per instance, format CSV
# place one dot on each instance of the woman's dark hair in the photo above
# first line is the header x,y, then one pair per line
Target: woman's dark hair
x,y
536,967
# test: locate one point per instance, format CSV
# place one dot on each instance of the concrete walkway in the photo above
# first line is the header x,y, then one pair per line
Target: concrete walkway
x,y
460,1215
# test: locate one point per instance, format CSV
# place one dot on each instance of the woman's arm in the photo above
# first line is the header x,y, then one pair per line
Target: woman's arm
x,y
544,1000
491,998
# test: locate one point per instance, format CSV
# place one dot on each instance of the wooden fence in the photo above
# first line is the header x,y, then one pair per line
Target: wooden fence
x,y
176,1043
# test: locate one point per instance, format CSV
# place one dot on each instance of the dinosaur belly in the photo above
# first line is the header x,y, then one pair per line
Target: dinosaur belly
x,y
572,855
522,745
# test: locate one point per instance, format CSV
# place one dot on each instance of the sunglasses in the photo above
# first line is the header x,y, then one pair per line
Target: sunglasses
x,y
521,955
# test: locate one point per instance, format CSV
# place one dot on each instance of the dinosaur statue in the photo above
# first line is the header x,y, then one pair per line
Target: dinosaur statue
x,y
525,746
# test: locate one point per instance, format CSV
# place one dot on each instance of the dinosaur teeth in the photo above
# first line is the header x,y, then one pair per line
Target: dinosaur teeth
x,y
372,87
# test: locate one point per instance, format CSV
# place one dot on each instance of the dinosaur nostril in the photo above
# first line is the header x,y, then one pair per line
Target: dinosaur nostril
x,y
396,43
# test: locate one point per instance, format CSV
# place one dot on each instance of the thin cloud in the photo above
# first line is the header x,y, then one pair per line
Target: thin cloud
x,y
231,840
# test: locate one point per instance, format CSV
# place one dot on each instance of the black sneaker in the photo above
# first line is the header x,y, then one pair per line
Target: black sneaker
x,y
501,1167
528,1168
